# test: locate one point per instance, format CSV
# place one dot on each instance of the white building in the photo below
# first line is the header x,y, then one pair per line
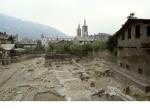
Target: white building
x,y
44,40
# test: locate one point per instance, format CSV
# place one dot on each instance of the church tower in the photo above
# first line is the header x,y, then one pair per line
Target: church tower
x,y
79,31
84,29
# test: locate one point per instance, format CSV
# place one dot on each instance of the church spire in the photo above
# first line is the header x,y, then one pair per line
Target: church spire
x,y
84,29
84,22
78,31
78,26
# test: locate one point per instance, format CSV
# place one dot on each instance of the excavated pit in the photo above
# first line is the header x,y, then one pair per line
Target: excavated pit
x,y
69,80
48,96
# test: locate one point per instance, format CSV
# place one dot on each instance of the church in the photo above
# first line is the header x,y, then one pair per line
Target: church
x,y
82,36
84,30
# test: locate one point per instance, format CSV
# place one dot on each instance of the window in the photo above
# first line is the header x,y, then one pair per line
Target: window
x,y
137,31
140,71
148,31
121,65
127,67
129,33
123,36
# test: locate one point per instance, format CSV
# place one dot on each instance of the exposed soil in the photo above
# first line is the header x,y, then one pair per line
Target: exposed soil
x,y
85,80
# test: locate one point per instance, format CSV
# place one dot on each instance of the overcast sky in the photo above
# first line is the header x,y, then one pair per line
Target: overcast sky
x,y
102,15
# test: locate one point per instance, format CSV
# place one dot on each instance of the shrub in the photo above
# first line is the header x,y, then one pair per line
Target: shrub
x,y
76,48
112,44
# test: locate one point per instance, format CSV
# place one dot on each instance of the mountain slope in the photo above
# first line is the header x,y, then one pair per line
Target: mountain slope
x,y
24,29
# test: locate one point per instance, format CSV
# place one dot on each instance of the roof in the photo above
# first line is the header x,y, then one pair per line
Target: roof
x,y
3,37
27,41
85,39
19,49
7,46
130,21
6,36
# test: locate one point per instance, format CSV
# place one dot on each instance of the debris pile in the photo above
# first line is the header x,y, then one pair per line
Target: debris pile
x,y
104,73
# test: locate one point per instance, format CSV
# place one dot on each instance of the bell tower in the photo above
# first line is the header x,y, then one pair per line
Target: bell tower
x,y
84,29
79,31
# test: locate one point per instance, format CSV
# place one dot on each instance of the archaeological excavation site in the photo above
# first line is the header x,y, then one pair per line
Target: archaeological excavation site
x,y
99,67
62,77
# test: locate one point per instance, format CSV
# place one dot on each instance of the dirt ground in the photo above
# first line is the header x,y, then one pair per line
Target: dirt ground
x,y
85,80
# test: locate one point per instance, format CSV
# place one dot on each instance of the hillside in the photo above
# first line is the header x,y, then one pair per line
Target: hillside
x,y
14,26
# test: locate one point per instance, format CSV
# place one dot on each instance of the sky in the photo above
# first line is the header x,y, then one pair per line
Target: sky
x,y
102,16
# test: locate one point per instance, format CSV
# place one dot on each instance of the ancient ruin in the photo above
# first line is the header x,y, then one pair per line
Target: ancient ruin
x,y
111,68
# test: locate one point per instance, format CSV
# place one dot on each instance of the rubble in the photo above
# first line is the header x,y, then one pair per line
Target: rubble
x,y
84,76
30,70
104,72
48,96
126,89
99,93
92,83
77,81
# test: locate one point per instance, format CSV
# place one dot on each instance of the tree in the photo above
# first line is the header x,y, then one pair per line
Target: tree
x,y
132,16
50,47
76,49
98,45
39,46
11,39
86,48
112,44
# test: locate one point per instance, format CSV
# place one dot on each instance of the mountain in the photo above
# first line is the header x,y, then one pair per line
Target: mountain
x,y
24,29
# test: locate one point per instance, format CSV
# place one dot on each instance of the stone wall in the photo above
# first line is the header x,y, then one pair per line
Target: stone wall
x,y
24,57
53,57
105,54
136,60
134,42
131,53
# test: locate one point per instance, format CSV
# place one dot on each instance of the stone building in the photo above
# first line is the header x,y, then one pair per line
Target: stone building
x,y
27,43
102,37
79,31
84,29
4,38
7,44
134,50
44,40
82,36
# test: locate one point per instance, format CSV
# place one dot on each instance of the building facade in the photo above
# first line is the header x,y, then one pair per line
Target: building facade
x,y
134,47
7,44
79,31
45,40
27,43
101,37
7,39
82,36
84,29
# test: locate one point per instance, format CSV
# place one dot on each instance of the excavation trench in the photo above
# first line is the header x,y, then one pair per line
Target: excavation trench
x,y
83,80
